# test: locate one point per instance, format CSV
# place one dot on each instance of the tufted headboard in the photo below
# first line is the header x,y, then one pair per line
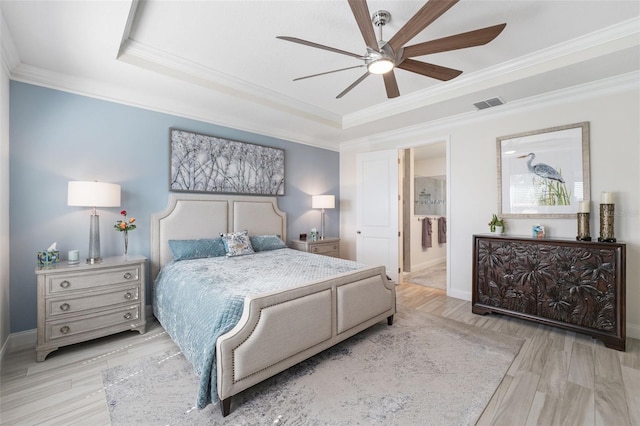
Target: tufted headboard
x,y
194,215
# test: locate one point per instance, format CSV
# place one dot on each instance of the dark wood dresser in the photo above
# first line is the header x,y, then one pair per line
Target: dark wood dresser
x,y
575,285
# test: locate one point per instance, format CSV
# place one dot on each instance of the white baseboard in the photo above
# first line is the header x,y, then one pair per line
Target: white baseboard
x,y
464,295
28,338
633,330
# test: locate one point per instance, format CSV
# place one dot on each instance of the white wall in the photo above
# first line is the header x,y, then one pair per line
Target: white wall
x,y
613,109
4,205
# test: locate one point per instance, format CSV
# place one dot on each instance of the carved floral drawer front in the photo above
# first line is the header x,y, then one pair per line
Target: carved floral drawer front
x,y
579,285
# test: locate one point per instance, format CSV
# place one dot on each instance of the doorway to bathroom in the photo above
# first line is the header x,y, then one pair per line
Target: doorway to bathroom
x,y
425,188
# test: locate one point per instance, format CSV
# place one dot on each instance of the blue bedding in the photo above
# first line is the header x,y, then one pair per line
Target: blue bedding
x,y
198,300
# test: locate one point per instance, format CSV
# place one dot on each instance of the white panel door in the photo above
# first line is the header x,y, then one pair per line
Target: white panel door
x,y
377,210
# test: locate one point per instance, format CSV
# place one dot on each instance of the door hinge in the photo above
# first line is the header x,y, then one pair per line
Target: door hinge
x,y
398,270
398,233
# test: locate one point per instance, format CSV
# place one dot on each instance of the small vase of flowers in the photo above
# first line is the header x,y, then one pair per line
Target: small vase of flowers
x,y
125,226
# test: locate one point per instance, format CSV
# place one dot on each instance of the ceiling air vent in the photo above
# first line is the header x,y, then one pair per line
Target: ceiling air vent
x,y
489,103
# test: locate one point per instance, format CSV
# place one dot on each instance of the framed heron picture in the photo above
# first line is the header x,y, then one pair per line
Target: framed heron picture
x,y
543,173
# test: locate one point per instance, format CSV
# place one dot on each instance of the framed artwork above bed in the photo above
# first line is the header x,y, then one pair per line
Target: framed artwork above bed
x,y
210,164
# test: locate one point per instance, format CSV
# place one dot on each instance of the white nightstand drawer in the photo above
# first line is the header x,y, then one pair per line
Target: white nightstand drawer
x,y
328,249
80,302
80,325
72,305
57,284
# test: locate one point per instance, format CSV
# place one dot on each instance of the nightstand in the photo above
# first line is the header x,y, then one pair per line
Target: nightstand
x,y
82,302
327,247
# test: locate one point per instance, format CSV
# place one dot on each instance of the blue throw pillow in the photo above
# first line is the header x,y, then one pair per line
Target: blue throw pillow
x,y
196,249
266,242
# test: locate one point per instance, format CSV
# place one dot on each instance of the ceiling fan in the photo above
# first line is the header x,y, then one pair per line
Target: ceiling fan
x,y
383,56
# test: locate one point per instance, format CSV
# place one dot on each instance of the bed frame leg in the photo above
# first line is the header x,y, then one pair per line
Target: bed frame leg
x,y
390,320
225,406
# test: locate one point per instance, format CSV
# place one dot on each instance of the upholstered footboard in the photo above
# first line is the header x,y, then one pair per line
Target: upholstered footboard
x,y
279,330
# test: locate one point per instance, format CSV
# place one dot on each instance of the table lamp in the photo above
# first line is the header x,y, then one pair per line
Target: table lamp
x,y
323,202
93,194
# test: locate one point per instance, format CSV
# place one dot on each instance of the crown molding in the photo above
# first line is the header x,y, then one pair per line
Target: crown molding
x,y
10,56
608,40
147,57
115,93
405,137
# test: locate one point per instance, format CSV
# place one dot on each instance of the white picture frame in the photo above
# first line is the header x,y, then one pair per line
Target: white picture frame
x,y
543,173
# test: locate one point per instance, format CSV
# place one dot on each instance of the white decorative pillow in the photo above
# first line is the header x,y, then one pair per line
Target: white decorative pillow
x,y
237,243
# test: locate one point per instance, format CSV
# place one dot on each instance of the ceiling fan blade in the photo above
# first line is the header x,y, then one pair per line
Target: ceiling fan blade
x,y
327,72
430,70
391,84
363,18
454,42
319,46
354,84
431,11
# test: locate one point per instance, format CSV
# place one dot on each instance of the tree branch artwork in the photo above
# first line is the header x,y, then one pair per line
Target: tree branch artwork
x,y
202,163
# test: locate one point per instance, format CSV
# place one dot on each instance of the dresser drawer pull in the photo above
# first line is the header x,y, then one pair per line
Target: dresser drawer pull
x,y
64,307
128,295
315,249
65,284
65,329
335,247
127,315
128,276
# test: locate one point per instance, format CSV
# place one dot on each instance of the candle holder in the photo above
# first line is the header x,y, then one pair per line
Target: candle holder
x,y
583,227
606,223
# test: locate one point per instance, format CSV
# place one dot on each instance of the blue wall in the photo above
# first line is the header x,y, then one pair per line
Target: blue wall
x,y
57,137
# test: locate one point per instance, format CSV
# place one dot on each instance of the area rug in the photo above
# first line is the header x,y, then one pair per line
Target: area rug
x,y
421,370
434,277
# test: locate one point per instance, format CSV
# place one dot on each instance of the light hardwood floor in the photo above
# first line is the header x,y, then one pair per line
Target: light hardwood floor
x,y
558,378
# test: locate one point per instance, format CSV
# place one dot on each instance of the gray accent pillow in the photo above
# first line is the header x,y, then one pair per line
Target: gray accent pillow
x,y
237,243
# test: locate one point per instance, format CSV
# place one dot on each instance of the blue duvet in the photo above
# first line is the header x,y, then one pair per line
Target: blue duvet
x,y
198,300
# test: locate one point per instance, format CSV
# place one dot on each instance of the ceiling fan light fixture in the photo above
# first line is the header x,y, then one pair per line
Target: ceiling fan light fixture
x,y
380,66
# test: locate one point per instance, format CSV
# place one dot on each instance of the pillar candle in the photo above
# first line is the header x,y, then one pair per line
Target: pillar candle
x,y
584,207
606,198
74,256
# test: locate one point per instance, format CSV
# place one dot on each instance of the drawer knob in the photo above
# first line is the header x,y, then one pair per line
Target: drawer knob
x,y
128,295
65,329
127,315
64,307
65,284
315,249
127,276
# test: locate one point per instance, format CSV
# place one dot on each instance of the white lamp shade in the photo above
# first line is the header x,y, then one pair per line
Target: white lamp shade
x,y
93,194
323,201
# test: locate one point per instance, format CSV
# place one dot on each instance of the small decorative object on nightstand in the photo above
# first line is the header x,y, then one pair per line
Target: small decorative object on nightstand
x,y
327,247
82,302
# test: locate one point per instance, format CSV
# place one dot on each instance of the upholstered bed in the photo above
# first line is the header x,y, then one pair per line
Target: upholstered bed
x,y
285,317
